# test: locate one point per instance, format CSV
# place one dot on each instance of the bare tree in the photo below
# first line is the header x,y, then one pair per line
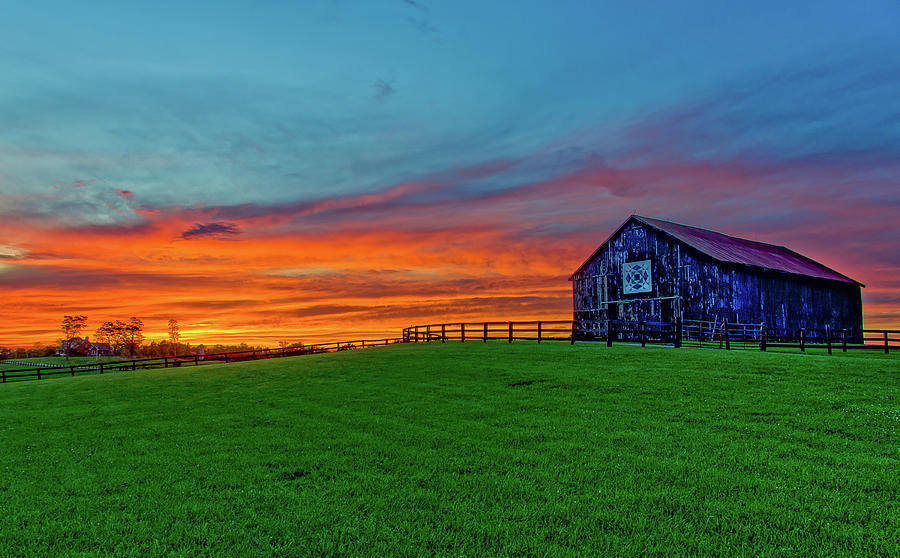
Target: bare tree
x,y
174,335
71,327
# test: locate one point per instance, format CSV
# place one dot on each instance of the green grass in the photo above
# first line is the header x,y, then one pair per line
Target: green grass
x,y
59,361
463,450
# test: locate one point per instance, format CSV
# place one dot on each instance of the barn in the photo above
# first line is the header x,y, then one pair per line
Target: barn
x,y
652,271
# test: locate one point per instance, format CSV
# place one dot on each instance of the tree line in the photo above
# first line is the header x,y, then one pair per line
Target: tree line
x,y
121,336
125,338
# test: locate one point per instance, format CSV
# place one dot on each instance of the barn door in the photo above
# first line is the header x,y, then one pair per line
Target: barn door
x,y
612,311
667,311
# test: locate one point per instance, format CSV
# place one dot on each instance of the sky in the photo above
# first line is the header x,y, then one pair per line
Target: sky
x,y
306,171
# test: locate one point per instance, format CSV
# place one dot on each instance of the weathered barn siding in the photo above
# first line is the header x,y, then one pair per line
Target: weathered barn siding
x,y
689,284
633,243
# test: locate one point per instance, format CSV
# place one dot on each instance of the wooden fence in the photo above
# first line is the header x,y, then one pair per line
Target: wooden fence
x,y
872,339
629,331
543,330
725,335
540,330
39,371
722,335
691,333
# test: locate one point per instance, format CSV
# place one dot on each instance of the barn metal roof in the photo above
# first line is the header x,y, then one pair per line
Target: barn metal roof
x,y
740,251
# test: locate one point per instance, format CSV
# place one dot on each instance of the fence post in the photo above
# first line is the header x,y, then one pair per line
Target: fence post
x,y
3,372
643,328
700,335
802,341
166,361
443,333
511,332
572,336
762,338
485,332
196,360
101,368
727,338
133,366
609,333
539,332
844,341
678,340
39,373
73,371
462,332
887,348
828,338
428,333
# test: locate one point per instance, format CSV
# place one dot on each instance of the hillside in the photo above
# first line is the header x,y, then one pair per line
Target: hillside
x,y
460,449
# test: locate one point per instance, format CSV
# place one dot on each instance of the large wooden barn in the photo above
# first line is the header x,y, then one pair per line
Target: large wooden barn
x,y
650,270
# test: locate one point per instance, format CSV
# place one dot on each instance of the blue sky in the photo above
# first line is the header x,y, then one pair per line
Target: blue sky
x,y
243,101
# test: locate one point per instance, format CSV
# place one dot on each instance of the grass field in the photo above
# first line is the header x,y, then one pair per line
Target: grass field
x,y
58,361
463,450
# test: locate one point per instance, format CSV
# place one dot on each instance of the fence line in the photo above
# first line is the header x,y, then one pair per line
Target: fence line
x,y
694,333
41,364
535,330
194,359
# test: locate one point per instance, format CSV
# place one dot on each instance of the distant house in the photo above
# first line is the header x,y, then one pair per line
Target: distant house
x,y
84,347
657,271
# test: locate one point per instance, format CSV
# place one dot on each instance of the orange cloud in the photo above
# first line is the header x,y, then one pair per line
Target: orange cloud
x,y
424,251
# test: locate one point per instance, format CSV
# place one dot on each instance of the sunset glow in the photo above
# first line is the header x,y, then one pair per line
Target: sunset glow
x,y
339,192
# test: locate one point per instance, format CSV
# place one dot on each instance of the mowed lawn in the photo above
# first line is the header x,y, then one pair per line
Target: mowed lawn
x,y
35,362
463,450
